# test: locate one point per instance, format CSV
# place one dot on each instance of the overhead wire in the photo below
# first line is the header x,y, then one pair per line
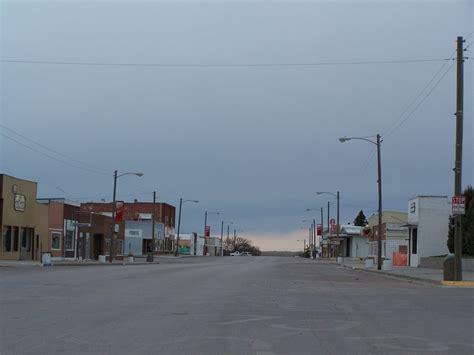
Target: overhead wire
x,y
217,65
86,165
51,156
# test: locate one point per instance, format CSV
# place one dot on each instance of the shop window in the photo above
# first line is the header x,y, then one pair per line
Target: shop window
x,y
16,237
7,238
69,242
55,240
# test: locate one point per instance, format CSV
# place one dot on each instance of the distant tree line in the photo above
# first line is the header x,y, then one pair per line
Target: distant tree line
x,y
241,244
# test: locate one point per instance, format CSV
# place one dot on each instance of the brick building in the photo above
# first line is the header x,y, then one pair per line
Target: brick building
x,y
135,211
62,232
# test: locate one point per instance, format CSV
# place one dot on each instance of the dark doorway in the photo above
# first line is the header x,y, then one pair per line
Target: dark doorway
x,y
97,245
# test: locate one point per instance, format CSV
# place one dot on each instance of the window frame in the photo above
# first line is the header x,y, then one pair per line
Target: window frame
x,y
57,233
6,237
72,240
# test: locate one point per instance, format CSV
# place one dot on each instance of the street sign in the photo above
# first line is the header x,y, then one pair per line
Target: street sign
x,y
458,205
319,229
208,231
119,207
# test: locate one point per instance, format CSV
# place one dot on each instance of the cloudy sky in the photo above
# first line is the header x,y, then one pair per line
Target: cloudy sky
x,y
215,101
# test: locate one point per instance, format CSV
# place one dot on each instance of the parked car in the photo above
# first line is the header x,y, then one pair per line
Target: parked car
x,y
246,253
235,253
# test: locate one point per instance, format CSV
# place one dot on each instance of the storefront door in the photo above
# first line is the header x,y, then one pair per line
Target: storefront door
x,y
26,244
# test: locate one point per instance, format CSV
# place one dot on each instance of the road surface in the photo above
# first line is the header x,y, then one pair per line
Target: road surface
x,y
231,305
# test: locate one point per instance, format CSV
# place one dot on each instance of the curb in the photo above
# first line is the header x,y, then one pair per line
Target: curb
x,y
396,276
103,264
458,283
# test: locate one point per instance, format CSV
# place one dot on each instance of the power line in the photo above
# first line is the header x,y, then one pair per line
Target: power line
x,y
88,166
51,156
419,94
419,103
217,65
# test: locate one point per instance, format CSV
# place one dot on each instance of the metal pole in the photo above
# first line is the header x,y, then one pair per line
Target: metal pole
x,y
337,227
153,243
314,235
112,229
329,233
379,181
176,253
204,235
222,241
322,226
458,158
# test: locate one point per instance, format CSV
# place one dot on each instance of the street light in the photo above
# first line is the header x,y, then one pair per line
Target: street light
x,y
112,230
379,182
337,196
312,239
176,253
222,234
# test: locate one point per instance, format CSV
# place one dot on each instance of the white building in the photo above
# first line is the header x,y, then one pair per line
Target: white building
x,y
428,223
354,243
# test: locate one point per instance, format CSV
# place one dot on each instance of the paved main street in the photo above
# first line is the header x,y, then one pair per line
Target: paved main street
x,y
233,305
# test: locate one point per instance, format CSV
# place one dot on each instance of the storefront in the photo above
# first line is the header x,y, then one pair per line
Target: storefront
x,y
24,221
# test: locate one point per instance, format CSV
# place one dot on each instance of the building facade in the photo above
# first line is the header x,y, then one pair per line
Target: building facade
x,y
394,234
62,229
23,221
134,211
428,220
138,237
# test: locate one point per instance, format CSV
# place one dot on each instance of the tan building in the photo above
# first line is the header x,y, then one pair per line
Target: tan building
x,y
23,221
394,233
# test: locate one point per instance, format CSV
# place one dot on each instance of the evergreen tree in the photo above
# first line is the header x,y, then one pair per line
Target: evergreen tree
x,y
360,220
467,222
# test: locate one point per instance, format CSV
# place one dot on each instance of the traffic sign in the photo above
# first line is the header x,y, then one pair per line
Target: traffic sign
x,y
458,205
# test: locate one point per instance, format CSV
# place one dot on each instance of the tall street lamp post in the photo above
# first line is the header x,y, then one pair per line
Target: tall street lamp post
x,y
112,229
176,252
379,182
337,196
314,224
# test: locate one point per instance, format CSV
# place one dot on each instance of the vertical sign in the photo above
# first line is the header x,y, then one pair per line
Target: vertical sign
x,y
319,229
208,231
119,207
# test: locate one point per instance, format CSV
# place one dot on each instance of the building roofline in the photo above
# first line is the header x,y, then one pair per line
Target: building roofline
x,y
16,178
424,196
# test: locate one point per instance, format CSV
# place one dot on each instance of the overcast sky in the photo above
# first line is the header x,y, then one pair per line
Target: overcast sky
x,y
252,142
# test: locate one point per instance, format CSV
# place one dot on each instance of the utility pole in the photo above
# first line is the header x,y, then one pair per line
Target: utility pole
x,y
176,253
337,227
379,227
222,238
112,234
322,227
458,157
153,243
329,231
314,236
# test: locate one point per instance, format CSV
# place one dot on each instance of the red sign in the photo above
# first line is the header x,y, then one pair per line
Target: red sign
x,y
119,207
208,231
458,205
319,229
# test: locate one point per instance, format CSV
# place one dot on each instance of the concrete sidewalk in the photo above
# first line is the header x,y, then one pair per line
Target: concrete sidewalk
x,y
434,276
21,263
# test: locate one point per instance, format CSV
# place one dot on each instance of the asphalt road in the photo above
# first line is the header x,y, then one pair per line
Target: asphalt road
x,y
232,305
